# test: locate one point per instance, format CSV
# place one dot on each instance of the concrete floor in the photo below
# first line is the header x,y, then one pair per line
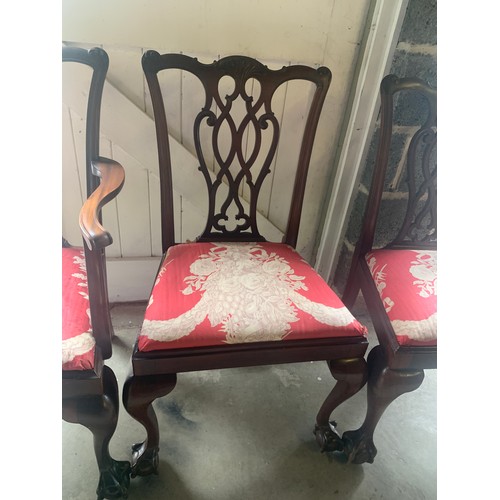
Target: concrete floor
x,y
246,434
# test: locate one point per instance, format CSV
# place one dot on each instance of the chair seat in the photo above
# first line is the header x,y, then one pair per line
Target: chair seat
x,y
209,294
407,283
78,344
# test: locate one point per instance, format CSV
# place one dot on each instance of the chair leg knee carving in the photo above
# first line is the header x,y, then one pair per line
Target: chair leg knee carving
x,y
351,375
384,386
138,396
100,415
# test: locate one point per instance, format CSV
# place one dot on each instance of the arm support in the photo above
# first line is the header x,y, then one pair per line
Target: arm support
x,y
112,177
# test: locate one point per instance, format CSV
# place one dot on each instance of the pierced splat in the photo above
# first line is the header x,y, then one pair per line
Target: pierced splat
x,y
258,117
231,118
420,221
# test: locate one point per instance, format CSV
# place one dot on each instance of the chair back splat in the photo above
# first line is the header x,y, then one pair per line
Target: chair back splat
x,y
232,299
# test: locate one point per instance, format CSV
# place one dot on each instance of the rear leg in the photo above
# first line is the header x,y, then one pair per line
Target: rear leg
x,y
384,386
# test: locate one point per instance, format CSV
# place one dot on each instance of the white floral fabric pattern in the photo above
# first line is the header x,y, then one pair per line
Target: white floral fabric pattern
x,y
78,344
406,281
236,293
379,277
424,268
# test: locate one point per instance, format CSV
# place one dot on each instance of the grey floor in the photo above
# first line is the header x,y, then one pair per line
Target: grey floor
x,y
247,434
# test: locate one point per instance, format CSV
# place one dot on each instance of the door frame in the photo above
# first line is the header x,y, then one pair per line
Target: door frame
x,y
378,46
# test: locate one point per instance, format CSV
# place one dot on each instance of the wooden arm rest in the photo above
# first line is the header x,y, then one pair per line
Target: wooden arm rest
x,y
112,177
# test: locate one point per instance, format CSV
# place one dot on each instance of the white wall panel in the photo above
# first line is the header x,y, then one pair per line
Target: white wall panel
x,y
131,279
110,210
78,128
71,188
193,221
278,29
125,72
170,84
133,207
297,104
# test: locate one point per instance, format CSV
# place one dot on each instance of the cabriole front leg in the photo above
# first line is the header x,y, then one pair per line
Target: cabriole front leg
x,y
351,376
384,386
138,396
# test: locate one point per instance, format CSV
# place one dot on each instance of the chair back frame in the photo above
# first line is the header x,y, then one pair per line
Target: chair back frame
x,y
419,227
259,116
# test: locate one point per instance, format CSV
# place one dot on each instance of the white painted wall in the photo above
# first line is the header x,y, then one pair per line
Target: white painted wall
x,y
278,32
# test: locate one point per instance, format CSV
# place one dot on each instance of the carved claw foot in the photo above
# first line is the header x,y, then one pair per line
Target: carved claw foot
x,y
358,447
114,481
328,438
144,461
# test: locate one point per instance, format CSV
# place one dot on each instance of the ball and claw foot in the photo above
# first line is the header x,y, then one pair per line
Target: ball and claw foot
x,y
144,462
328,438
358,448
114,481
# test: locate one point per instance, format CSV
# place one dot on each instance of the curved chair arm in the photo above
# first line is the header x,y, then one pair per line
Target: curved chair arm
x,y
112,177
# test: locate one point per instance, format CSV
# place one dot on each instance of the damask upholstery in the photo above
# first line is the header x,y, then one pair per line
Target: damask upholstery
x,y
229,293
407,284
78,344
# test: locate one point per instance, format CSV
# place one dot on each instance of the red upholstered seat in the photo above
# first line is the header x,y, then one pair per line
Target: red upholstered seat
x,y
78,344
229,293
407,283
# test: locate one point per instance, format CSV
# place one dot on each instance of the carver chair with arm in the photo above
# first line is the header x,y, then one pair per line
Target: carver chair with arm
x,y
398,281
89,388
232,299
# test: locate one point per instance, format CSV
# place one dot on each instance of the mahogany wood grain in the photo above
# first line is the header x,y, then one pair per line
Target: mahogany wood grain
x,y
112,176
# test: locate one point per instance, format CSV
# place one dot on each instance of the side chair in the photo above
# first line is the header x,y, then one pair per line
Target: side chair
x,y
398,280
232,299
